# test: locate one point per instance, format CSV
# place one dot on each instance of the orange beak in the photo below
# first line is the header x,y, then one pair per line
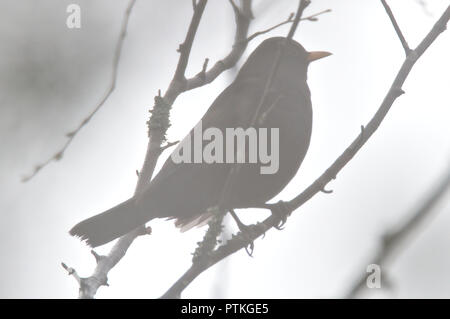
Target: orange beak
x,y
316,55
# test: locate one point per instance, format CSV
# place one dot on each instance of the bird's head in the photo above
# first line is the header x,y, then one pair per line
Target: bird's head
x,y
293,65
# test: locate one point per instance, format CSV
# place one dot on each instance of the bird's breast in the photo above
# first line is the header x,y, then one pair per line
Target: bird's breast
x,y
288,123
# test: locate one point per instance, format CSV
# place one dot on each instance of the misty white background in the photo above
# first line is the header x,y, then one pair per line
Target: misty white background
x,y
51,77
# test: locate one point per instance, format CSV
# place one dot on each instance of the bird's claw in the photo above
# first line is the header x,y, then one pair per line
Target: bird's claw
x,y
281,210
246,233
249,249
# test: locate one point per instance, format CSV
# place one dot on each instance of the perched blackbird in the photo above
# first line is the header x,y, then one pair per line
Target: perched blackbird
x,y
185,191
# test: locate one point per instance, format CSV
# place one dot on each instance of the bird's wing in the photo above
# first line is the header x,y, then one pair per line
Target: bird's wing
x,y
170,192
226,111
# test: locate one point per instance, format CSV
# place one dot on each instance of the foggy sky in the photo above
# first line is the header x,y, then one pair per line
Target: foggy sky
x,y
51,77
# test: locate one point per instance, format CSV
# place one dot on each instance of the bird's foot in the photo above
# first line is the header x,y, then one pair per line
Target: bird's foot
x,y
280,210
246,232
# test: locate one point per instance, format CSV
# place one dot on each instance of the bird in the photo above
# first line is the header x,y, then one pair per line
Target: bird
x,y
185,191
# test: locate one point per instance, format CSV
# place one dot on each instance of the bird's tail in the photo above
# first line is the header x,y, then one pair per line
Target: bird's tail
x,y
109,225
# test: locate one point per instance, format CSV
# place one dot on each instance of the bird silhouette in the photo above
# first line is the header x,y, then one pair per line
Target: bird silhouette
x,y
184,191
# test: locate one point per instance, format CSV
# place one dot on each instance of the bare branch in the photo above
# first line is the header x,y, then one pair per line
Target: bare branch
x,y
313,17
243,18
115,65
71,272
396,27
395,237
88,286
254,35
290,19
236,9
159,123
169,144
301,7
238,241
186,46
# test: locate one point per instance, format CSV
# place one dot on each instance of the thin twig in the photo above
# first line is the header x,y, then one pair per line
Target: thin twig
x,y
177,86
313,17
115,65
169,144
396,27
238,242
71,272
290,19
395,237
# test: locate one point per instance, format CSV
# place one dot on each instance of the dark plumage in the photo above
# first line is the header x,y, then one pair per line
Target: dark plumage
x,y
185,191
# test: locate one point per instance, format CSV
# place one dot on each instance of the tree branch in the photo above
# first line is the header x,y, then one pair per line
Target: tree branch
x,y
290,19
396,27
395,237
240,241
115,65
242,18
158,125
